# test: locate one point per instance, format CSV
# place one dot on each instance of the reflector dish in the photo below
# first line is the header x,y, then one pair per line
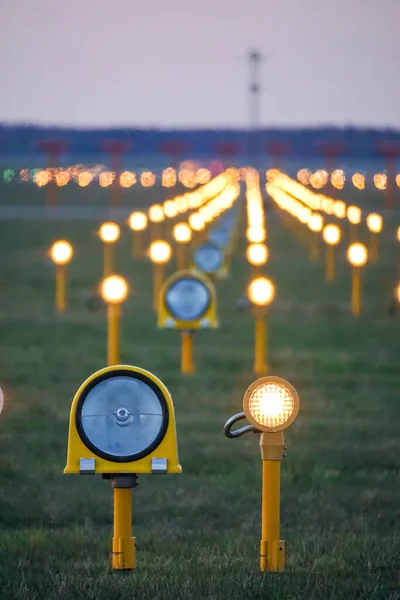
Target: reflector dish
x,y
122,417
187,299
208,257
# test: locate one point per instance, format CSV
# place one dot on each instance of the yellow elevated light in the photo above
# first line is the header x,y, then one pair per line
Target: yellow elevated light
x,y
156,213
196,222
114,289
261,291
315,222
182,233
137,221
354,215
61,252
374,222
160,252
257,254
109,232
271,404
331,234
256,235
398,234
357,255
339,209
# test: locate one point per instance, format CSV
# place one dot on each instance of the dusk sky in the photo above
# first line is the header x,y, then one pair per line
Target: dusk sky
x,y
179,63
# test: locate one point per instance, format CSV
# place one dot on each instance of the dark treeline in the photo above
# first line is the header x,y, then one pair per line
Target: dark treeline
x,y
346,141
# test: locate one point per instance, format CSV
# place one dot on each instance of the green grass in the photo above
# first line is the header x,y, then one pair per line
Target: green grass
x,y
198,533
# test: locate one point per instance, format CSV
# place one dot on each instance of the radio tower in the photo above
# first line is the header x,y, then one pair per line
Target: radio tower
x,y
255,58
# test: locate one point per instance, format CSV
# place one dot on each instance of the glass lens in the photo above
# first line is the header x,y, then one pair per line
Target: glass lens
x,y
121,416
271,404
187,299
208,258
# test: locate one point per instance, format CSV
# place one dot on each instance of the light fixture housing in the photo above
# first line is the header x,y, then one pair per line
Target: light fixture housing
x,y
271,404
187,301
208,258
122,421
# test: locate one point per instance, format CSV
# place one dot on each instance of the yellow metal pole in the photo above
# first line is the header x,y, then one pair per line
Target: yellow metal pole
x,y
60,289
114,311
108,259
137,244
373,246
314,246
187,362
260,345
158,280
330,263
271,547
356,291
123,544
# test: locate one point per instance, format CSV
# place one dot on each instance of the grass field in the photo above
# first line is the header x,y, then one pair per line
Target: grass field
x,y
198,533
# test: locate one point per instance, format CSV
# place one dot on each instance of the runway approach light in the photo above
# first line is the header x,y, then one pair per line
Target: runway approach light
x,y
182,235
61,253
187,303
109,233
122,424
375,225
137,222
257,254
160,253
315,224
209,258
357,255
114,291
331,235
1,401
270,405
261,293
156,218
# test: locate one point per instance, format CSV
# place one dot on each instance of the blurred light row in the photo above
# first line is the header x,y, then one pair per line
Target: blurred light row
x,y
337,178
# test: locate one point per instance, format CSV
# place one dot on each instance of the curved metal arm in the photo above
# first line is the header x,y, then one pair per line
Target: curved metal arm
x,y
238,432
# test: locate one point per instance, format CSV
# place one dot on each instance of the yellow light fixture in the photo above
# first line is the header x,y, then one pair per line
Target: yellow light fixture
x,y
122,425
270,405
109,233
315,222
61,253
261,291
375,225
160,253
182,233
257,254
137,221
114,291
354,215
256,235
397,292
331,234
374,222
357,255
156,213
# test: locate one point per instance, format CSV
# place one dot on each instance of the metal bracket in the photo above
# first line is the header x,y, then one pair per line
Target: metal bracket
x,y
159,466
238,432
87,466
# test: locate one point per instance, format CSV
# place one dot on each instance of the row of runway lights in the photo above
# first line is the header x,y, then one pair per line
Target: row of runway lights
x,y
84,176
190,177
357,253
337,178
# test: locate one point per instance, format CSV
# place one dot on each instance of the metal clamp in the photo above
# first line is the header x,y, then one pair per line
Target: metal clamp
x,y
238,432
